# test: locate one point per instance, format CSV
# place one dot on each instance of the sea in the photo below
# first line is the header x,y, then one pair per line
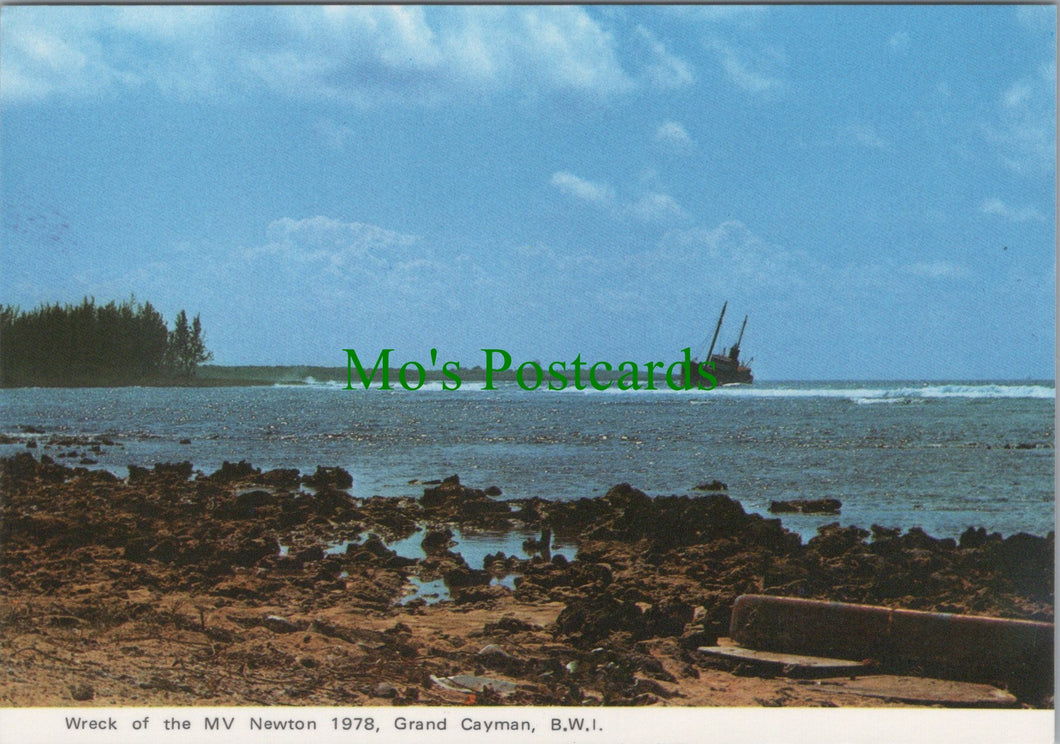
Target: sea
x,y
943,456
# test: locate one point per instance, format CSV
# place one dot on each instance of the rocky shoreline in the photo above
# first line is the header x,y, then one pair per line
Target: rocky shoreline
x,y
243,587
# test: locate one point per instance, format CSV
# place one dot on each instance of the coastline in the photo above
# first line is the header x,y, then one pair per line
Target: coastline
x,y
257,375
243,587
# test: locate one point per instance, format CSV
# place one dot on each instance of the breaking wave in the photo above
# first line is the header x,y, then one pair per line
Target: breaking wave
x,y
860,393
902,393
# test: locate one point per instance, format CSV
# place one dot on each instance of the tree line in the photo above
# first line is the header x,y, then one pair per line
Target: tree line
x,y
90,344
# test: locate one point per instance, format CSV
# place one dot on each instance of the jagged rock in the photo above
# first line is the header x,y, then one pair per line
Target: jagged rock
x,y
974,538
278,624
82,691
325,477
590,620
234,471
509,624
177,470
138,474
833,540
806,506
437,540
247,503
385,690
281,478
667,618
464,577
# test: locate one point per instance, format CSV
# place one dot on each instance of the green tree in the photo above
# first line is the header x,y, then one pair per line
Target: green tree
x,y
83,344
187,349
197,352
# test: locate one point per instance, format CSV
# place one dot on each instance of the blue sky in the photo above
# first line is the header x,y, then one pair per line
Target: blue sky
x,y
874,186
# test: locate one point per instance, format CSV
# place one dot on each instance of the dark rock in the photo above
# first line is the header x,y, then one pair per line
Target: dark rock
x,y
495,657
82,691
330,503
625,496
695,636
976,538
138,474
509,624
234,471
590,620
278,624
309,555
437,540
174,470
714,485
464,577
281,478
452,501
249,551
20,468
137,550
770,534
325,477
884,533
667,618
385,690
833,540
916,538
806,506
165,550
247,503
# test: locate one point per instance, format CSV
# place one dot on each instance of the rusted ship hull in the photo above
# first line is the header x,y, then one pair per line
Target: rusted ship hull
x,y
722,369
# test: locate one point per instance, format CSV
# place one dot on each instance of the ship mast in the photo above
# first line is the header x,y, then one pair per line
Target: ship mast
x,y
717,330
734,352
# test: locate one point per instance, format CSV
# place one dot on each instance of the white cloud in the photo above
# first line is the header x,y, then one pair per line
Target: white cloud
x,y
1039,18
649,207
361,54
899,41
673,133
1017,95
42,60
580,188
866,135
655,207
1024,128
334,244
732,255
751,69
661,69
997,207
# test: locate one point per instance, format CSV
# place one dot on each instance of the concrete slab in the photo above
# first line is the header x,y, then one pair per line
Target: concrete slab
x,y
920,691
1015,653
794,665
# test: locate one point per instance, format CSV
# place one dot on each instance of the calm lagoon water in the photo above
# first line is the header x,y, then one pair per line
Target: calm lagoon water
x,y
943,456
